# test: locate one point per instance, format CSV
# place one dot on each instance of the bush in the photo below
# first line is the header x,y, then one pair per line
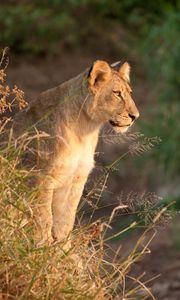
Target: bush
x,y
161,53
44,27
32,28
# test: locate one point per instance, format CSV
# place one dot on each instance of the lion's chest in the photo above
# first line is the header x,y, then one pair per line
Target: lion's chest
x,y
78,161
82,162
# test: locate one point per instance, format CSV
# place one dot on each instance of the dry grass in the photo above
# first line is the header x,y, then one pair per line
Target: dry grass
x,y
31,272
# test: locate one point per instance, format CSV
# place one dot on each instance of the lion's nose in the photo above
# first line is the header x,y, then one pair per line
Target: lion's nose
x,y
133,117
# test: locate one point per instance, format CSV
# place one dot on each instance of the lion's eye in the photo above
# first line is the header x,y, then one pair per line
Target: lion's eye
x,y
117,94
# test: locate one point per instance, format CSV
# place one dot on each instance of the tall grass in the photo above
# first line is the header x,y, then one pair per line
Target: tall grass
x,y
28,271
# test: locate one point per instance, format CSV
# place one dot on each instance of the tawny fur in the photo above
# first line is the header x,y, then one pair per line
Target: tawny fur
x,y
71,115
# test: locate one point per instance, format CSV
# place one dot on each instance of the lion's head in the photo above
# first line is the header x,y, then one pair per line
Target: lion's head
x,y
112,101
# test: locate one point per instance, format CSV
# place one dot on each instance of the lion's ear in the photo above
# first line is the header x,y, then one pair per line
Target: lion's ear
x,y
99,73
124,71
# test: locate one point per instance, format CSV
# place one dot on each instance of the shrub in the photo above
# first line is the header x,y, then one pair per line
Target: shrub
x,y
162,48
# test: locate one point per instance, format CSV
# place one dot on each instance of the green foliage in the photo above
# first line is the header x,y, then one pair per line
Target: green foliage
x,y
31,28
41,26
161,52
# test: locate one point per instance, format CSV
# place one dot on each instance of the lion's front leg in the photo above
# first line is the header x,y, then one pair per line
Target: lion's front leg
x,y
59,210
65,203
43,213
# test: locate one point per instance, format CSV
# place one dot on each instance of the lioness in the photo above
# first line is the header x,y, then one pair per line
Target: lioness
x,y
72,114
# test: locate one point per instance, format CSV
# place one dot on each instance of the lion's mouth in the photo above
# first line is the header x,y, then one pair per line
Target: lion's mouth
x,y
116,124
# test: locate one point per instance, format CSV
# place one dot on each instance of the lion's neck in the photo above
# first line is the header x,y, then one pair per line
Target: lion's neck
x,y
75,103
67,104
84,126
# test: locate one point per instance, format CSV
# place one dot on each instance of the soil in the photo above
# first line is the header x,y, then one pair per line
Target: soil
x,y
36,75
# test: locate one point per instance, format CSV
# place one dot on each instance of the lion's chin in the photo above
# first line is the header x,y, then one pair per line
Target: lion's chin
x,y
117,128
120,129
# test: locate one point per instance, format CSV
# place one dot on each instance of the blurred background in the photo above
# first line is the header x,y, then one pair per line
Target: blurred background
x,y
53,40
